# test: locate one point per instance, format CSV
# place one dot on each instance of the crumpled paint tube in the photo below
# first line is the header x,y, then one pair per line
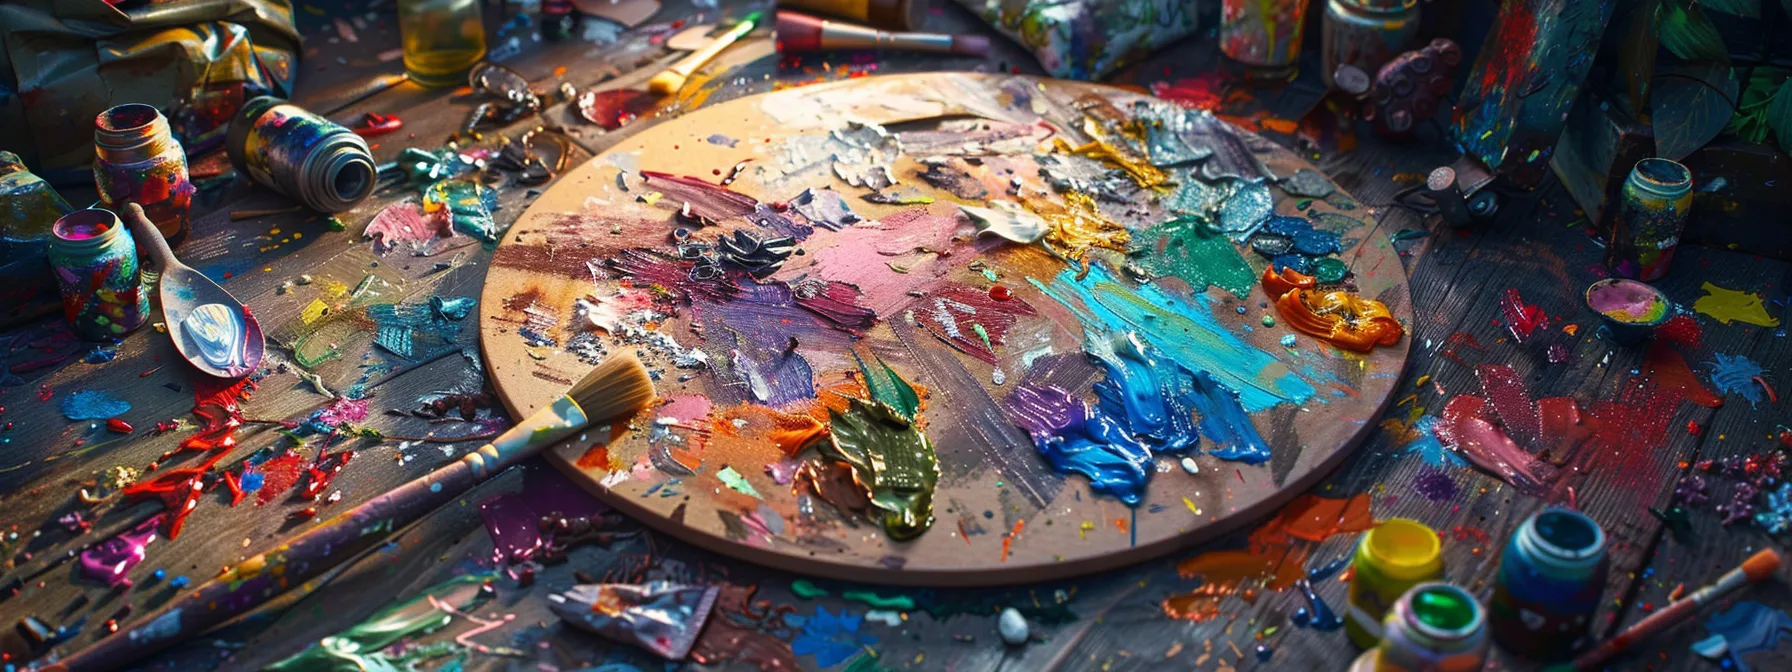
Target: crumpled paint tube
x,y
660,616
364,646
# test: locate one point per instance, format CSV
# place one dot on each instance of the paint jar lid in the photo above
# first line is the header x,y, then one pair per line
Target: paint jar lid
x,y
87,230
1443,611
1661,176
1566,537
1404,549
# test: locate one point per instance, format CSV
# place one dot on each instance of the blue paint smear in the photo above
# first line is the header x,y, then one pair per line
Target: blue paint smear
x,y
1735,374
1089,442
1749,627
93,405
1319,615
1427,447
832,639
1186,334
1225,422
251,480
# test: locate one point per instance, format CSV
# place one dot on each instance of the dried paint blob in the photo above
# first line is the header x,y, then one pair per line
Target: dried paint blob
x,y
93,405
217,333
110,561
1731,305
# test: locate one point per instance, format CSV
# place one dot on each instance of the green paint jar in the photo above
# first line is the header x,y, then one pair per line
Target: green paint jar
x,y
1435,627
1392,558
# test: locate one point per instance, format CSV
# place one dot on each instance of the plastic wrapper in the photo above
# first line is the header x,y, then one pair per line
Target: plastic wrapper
x,y
659,616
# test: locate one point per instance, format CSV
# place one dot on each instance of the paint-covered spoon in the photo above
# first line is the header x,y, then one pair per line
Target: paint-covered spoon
x,y
212,330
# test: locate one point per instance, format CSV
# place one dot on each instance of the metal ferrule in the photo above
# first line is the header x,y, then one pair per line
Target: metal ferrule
x,y
558,420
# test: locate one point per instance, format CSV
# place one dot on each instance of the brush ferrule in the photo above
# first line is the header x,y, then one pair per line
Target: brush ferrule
x,y
835,35
549,425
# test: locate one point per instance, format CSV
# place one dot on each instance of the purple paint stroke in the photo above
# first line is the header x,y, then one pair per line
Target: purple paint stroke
x,y
825,208
1435,485
110,561
514,518
654,271
709,204
774,378
954,312
836,302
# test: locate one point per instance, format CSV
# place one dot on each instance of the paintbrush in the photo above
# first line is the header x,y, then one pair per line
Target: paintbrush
x,y
1759,566
799,33
670,81
617,388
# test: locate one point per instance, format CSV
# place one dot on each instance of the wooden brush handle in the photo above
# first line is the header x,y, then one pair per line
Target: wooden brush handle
x,y
149,237
255,581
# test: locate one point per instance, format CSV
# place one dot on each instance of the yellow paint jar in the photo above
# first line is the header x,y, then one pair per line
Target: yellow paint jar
x,y
1392,558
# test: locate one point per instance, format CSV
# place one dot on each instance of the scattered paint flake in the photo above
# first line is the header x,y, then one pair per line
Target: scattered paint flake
x,y
737,482
93,405
1736,374
1731,305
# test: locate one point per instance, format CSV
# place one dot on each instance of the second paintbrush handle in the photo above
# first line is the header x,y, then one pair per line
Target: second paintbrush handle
x,y
689,64
1656,622
340,539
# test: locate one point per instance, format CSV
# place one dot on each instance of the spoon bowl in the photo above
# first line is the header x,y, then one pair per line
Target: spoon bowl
x,y
212,330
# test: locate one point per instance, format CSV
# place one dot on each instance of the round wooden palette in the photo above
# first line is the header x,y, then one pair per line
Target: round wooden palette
x,y
963,318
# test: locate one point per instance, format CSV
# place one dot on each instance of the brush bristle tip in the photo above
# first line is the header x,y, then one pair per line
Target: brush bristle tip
x,y
619,387
1761,565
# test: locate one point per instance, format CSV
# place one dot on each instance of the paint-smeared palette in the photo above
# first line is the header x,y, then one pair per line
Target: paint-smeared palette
x,y
952,329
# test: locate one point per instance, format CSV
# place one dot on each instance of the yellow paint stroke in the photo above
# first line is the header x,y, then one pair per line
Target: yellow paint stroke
x,y
1732,305
1077,226
313,311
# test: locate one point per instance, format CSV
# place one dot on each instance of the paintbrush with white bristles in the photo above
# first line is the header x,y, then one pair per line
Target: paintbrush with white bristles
x,y
617,388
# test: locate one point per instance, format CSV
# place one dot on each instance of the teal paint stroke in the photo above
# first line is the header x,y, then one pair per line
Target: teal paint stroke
x,y
1186,333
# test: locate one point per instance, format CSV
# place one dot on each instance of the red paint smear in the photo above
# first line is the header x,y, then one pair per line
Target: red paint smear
x,y
1681,330
1460,339
325,472
1511,400
219,408
951,312
1521,318
615,107
1204,91
234,482
1273,553
1667,369
279,475
178,491
707,203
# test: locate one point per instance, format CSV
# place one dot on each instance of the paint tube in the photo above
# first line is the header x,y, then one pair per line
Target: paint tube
x,y
659,616
283,147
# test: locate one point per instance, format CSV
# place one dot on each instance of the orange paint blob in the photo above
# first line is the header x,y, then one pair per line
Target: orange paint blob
x,y
1275,554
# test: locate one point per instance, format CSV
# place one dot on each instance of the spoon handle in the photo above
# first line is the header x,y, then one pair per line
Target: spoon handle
x,y
150,238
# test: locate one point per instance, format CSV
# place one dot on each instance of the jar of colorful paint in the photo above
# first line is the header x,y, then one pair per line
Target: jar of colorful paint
x,y
286,148
1391,558
1263,35
137,160
1551,576
1435,627
94,259
1365,33
1630,310
1651,215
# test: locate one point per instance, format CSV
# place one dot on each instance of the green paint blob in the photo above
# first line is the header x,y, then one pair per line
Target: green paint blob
x,y
888,388
1443,608
363,646
890,457
898,603
737,482
806,589
1188,248
1329,269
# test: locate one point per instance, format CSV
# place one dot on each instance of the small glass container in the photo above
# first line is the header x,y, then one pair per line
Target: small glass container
x,y
1263,35
443,39
1651,216
137,160
94,259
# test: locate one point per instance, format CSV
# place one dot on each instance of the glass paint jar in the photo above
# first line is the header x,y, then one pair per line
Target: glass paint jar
x,y
1435,627
1263,35
1652,211
283,147
1391,558
29,208
94,259
1551,576
137,160
1365,33
442,40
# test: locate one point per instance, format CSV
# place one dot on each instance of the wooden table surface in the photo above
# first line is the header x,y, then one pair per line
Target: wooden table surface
x,y
1538,245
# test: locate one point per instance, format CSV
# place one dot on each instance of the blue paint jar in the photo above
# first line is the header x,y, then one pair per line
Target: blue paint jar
x,y
94,259
1551,577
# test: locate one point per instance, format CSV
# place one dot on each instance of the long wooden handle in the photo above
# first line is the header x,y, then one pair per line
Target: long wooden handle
x,y
149,237
255,581
689,64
